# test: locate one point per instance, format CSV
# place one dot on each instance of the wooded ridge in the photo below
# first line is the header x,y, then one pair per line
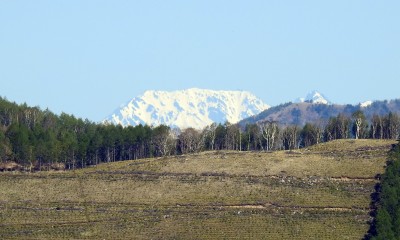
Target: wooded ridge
x,y
35,139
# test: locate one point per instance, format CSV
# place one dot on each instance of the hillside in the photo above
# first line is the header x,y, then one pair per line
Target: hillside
x,y
303,112
321,192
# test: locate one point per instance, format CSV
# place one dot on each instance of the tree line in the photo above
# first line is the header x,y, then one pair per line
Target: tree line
x,y
386,224
39,138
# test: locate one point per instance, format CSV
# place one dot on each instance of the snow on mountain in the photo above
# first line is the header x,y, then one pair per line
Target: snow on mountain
x,y
188,108
365,104
314,97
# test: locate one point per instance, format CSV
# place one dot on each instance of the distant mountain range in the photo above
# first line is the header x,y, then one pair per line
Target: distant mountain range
x,y
299,113
200,107
188,108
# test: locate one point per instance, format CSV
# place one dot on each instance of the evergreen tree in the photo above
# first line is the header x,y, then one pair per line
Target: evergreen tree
x,y
387,221
309,135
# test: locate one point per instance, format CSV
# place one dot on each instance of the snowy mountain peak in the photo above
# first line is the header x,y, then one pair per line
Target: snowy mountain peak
x,y
188,108
365,104
314,97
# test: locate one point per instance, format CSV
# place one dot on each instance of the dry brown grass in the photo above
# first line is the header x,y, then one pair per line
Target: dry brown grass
x,y
322,192
10,166
361,158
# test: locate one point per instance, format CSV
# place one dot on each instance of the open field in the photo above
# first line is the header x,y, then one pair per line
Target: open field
x,y
322,192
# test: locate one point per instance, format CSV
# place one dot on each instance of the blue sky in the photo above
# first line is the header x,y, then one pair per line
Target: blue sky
x,y
86,57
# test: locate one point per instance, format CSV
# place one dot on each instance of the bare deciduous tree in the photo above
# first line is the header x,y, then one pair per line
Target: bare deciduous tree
x,y
269,130
163,140
210,133
359,122
191,140
233,136
290,137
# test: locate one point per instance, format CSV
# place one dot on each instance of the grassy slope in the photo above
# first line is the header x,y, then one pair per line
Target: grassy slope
x,y
322,192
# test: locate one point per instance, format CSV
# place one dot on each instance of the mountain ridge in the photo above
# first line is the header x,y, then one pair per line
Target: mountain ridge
x,y
192,107
198,108
300,113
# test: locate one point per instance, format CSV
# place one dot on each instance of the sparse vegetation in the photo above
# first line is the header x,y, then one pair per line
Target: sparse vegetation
x,y
320,192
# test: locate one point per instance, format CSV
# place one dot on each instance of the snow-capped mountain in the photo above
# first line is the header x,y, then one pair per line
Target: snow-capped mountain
x,y
314,97
365,104
188,108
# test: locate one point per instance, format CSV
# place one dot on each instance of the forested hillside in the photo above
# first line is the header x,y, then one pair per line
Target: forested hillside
x,y
38,139
301,113
33,137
